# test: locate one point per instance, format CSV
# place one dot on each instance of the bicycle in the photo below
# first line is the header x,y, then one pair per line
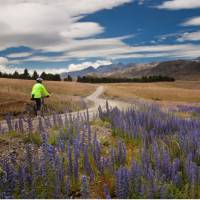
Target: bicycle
x,y
31,111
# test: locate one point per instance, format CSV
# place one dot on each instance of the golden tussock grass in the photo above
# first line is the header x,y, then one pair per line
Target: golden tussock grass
x,y
14,94
180,91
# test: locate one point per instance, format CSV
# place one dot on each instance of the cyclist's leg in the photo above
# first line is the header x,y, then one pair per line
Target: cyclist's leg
x,y
38,106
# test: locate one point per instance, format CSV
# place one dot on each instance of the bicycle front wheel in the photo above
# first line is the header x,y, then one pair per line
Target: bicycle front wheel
x,y
46,111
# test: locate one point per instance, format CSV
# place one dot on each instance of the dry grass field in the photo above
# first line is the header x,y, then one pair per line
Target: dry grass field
x,y
14,94
179,91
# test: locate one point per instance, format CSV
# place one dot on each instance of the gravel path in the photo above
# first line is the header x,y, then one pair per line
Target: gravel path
x,y
93,111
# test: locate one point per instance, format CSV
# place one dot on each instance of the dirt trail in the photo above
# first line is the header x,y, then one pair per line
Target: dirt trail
x,y
93,111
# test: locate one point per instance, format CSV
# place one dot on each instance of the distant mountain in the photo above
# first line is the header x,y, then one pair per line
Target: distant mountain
x,y
109,68
91,70
179,69
82,72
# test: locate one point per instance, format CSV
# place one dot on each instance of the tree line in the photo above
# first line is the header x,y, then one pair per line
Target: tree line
x,y
144,79
26,75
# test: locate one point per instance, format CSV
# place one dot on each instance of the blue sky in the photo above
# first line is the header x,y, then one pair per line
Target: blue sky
x,y
66,35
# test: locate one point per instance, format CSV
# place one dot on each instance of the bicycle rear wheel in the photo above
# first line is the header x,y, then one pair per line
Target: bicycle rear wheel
x,y
29,112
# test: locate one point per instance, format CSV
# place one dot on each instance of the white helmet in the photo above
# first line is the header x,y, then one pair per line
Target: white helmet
x,y
39,79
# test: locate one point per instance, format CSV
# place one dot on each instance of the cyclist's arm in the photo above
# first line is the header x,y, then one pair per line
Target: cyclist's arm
x,y
44,91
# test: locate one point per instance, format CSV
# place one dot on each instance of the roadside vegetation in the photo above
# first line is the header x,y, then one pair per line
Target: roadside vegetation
x,y
139,153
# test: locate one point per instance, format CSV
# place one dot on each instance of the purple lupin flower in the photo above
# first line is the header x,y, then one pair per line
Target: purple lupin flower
x,y
166,162
121,153
113,157
40,125
16,126
177,179
163,192
9,122
107,108
156,155
54,119
21,124
21,178
193,173
70,164
10,181
88,127
43,165
92,176
30,125
60,121
62,145
106,191
100,112
28,155
135,177
47,122
57,185
76,156
84,188
67,189
122,183
51,155
175,167
86,163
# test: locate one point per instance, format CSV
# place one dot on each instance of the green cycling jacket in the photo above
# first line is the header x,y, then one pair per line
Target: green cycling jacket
x,y
39,91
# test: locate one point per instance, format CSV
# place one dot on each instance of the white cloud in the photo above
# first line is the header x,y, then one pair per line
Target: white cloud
x,y
75,67
141,2
103,50
3,61
4,67
43,24
179,4
193,36
19,55
8,69
192,22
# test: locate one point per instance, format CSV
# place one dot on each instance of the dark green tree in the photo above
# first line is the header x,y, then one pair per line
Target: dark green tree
x,y
26,74
16,75
35,75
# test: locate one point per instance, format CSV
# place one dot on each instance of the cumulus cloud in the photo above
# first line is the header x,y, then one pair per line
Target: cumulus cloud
x,y
179,4
192,22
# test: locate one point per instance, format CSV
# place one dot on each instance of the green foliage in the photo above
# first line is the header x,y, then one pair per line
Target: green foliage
x,y
144,79
33,138
27,76
69,78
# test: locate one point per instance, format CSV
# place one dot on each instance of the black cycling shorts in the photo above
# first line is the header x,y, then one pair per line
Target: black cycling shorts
x,y
38,103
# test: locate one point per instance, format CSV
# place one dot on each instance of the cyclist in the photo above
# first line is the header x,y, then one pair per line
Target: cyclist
x,y
38,92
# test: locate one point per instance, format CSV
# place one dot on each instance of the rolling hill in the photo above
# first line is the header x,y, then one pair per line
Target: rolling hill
x,y
179,69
